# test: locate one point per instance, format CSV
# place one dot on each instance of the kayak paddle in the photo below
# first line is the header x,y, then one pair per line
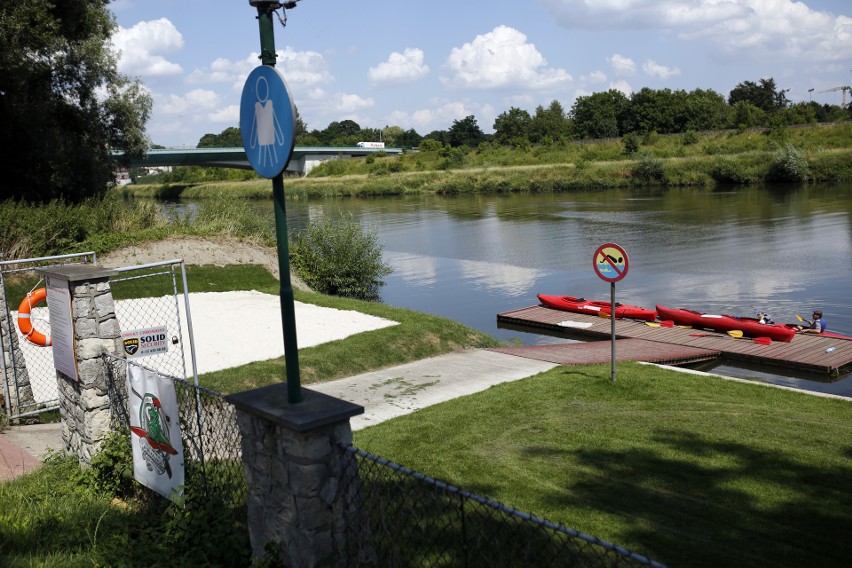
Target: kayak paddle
x,y
762,340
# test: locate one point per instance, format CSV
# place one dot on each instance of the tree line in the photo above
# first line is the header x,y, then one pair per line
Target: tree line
x,y
64,107
608,114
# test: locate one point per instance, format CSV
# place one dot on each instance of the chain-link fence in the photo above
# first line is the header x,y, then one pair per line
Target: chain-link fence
x,y
28,374
211,437
393,516
156,323
399,517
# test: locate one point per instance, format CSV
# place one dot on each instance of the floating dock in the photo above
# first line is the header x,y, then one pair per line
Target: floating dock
x,y
670,345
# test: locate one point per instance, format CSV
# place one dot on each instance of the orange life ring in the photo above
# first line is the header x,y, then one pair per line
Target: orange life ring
x,y
24,323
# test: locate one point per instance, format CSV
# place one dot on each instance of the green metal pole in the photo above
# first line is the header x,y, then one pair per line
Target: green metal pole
x,y
288,308
267,34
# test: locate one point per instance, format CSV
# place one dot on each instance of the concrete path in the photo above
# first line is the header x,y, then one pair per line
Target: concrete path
x,y
384,395
395,391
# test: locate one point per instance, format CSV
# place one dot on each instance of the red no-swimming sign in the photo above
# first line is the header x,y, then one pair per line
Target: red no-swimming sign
x,y
610,262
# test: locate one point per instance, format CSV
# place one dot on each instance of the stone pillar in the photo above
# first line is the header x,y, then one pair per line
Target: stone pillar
x,y
84,402
295,473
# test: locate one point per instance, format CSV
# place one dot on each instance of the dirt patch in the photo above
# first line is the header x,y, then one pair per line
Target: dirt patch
x,y
193,250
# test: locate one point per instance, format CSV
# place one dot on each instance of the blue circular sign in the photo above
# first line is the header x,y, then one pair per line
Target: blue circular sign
x,y
267,121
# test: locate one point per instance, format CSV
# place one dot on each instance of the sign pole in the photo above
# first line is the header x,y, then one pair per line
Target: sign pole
x,y
612,319
288,308
611,264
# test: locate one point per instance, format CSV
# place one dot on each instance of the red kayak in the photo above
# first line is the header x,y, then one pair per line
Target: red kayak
x,y
830,334
750,327
591,307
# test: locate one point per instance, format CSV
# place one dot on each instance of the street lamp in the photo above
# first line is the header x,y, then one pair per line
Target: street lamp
x,y
810,94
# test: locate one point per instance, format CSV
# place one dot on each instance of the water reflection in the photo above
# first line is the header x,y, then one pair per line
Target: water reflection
x,y
783,250
414,269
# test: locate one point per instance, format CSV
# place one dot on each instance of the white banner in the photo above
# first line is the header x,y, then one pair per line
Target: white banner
x,y
155,432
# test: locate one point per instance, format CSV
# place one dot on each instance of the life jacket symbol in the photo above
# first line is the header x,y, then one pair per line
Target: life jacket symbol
x,y
131,345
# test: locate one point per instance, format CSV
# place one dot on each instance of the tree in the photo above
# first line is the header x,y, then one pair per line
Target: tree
x,y
63,103
441,136
763,95
465,132
301,127
392,134
228,138
746,115
600,115
706,110
548,124
660,111
512,125
409,139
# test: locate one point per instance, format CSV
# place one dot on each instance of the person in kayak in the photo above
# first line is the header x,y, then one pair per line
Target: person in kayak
x,y
817,325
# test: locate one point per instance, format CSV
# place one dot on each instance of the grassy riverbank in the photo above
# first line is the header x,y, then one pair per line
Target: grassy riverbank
x,y
688,470
822,153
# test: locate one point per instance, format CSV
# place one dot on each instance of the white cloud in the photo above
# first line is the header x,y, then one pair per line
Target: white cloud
x,y
140,47
502,58
402,67
227,115
595,77
622,65
622,86
304,69
348,103
441,113
777,28
654,69
194,101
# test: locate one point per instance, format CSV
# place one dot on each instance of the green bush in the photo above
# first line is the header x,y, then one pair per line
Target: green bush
x,y
631,143
690,138
650,138
649,168
430,145
789,164
112,467
728,172
340,258
330,168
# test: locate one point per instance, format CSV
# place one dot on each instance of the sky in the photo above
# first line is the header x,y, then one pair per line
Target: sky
x,y
423,65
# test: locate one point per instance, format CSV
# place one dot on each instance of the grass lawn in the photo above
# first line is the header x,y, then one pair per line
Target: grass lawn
x,y
688,470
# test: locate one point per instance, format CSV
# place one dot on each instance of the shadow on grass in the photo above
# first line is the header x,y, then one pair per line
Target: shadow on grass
x,y
745,507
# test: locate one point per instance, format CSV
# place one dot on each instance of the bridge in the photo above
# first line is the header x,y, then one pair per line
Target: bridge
x,y
304,159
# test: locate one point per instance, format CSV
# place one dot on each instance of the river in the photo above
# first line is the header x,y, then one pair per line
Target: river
x,y
784,250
